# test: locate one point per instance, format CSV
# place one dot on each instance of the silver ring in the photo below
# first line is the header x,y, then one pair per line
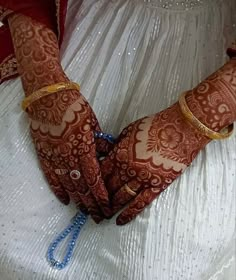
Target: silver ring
x,y
75,174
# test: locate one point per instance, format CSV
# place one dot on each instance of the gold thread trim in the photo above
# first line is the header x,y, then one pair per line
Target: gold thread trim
x,y
4,13
8,67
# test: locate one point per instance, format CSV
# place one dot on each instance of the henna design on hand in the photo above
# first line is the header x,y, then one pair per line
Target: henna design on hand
x,y
62,124
213,101
152,152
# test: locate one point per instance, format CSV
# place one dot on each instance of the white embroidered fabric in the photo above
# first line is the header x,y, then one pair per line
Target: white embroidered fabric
x,y
132,58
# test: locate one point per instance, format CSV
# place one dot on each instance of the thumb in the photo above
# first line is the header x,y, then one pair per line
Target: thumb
x,y
144,198
104,142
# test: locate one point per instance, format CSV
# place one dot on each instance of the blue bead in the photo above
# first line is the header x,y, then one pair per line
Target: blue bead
x,y
71,248
60,266
53,262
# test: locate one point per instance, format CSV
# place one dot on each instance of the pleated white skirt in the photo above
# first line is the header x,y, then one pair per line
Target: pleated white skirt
x,y
132,58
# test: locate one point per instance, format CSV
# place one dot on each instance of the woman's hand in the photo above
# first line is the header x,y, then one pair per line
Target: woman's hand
x,y
62,127
152,152
62,124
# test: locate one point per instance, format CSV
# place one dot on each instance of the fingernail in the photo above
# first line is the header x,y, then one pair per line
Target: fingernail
x,y
109,215
107,212
64,200
83,209
120,221
97,219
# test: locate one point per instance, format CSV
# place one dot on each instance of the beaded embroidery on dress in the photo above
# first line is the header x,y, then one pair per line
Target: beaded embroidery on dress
x,y
176,4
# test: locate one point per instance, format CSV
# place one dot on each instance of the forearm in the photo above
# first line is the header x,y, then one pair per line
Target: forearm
x,y
213,101
37,53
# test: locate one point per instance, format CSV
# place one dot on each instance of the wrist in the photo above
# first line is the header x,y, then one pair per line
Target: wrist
x,y
52,77
213,101
37,53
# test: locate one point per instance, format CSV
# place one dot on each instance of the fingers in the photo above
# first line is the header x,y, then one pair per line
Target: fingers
x,y
73,194
79,193
79,204
111,171
91,171
144,198
103,146
89,201
125,194
107,167
54,182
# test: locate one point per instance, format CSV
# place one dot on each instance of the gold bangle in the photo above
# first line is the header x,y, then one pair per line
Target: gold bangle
x,y
48,90
200,126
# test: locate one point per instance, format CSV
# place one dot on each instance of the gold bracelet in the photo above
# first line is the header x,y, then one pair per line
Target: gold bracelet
x,y
200,126
48,90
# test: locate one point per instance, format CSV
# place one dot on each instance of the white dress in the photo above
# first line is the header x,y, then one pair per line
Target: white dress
x,y
132,58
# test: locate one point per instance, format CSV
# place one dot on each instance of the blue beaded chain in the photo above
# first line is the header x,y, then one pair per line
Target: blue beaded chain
x,y
73,228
